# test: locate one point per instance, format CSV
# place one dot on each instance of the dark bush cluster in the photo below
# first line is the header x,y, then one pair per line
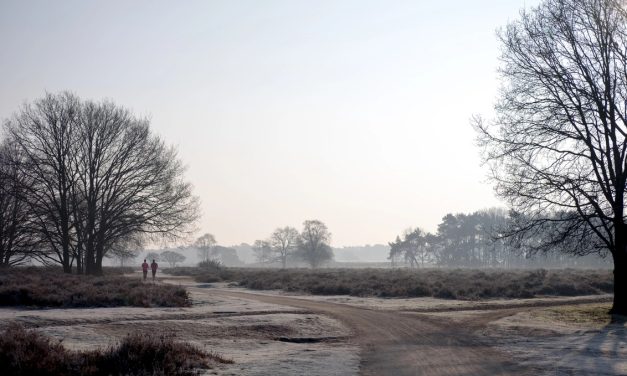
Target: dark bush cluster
x,y
440,283
24,352
43,287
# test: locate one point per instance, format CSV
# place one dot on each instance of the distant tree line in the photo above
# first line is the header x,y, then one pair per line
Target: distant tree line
x,y
206,248
170,256
81,180
476,240
311,245
209,251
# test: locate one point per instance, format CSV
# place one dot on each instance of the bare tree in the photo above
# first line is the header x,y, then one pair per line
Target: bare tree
x,y
205,245
98,177
558,144
172,257
313,244
152,255
16,238
123,255
284,242
125,250
45,134
263,251
130,183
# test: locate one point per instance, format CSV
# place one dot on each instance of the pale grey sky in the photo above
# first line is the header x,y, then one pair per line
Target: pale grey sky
x,y
352,112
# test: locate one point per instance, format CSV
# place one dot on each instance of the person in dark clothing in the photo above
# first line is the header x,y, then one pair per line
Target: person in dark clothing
x,y
145,269
154,267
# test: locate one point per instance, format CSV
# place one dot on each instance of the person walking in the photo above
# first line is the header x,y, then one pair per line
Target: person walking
x,y
154,267
145,269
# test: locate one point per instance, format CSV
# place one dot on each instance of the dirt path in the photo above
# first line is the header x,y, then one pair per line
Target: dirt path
x,y
404,344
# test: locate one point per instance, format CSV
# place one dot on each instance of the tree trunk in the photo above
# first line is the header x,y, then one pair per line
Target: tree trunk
x,y
99,255
89,258
79,260
619,254
67,267
619,307
65,249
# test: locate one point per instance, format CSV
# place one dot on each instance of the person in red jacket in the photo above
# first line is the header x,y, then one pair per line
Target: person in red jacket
x,y
145,269
154,267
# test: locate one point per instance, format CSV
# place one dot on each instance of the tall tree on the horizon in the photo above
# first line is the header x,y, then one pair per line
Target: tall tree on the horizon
x,y
413,248
314,243
205,245
263,251
172,257
284,242
558,146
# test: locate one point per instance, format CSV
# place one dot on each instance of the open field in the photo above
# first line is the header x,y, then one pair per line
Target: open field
x,y
426,336
285,333
259,338
465,284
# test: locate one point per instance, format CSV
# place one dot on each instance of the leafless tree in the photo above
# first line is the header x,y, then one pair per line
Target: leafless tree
x,y
126,250
314,243
129,183
284,242
558,146
45,134
263,251
153,256
205,245
98,177
172,257
123,256
16,237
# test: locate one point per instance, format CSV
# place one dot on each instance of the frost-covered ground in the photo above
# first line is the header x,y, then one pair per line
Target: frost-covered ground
x,y
272,339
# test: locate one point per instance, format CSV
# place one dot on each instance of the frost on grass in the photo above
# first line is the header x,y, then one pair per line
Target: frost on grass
x,y
44,287
26,352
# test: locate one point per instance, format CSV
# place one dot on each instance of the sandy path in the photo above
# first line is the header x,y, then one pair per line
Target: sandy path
x,y
430,340
404,344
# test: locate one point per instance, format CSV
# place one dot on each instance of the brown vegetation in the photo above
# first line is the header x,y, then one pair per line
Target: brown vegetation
x,y
49,287
439,283
25,352
581,314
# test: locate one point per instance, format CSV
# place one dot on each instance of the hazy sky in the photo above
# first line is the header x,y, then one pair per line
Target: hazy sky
x,y
352,112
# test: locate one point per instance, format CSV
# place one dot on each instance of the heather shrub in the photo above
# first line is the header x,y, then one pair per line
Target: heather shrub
x,y
49,287
211,265
206,272
30,353
25,352
440,283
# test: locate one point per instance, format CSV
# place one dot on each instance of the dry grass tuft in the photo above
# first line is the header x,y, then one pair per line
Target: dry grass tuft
x,y
584,314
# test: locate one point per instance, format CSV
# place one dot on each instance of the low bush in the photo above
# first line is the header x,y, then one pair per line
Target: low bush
x,y
440,283
49,287
24,352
